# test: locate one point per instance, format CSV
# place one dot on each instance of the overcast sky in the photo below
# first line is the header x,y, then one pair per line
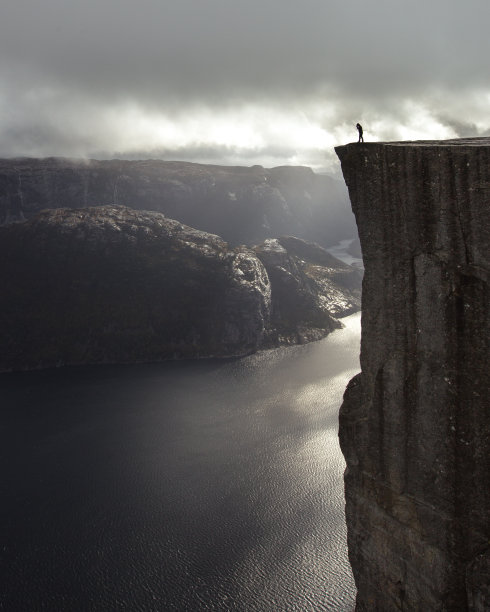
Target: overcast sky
x,y
268,82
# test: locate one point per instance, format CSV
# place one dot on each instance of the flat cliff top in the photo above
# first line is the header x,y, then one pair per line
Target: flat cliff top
x,y
483,141
397,186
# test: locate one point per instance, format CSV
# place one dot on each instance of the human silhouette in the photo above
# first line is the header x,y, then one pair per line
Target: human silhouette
x,y
359,129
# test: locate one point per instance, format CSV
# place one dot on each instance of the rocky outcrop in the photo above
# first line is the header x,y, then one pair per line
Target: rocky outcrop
x,y
309,289
111,284
414,425
338,282
298,316
243,205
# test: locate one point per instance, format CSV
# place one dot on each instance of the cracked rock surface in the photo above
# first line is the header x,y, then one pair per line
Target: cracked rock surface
x,y
414,425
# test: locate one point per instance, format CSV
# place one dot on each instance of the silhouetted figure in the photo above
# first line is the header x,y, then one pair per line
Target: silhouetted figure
x,y
359,129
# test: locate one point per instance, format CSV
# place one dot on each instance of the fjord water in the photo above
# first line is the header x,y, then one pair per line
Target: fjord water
x,y
210,485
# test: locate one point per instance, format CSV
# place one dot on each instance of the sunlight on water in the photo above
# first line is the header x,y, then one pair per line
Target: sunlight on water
x,y
211,485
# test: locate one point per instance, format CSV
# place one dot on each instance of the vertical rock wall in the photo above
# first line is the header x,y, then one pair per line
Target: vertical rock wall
x,y
414,425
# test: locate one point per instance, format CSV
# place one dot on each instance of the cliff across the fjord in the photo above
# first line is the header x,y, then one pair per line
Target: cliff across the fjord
x,y
241,204
110,284
415,423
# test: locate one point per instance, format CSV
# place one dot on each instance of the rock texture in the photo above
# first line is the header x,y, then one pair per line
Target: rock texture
x,y
414,425
111,284
243,205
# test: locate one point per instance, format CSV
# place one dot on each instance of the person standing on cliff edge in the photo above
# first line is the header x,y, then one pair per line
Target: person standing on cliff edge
x,y
359,129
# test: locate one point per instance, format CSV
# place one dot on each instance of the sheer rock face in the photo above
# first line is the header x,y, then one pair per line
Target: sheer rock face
x,y
110,284
414,425
243,205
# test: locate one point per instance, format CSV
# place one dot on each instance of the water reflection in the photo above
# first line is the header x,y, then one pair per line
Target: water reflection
x,y
180,486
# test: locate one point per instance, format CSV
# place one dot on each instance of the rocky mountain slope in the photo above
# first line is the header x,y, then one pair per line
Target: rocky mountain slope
x,y
111,284
243,205
309,288
414,425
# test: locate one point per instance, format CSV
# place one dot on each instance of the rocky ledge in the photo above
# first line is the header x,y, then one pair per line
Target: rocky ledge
x,y
414,425
113,285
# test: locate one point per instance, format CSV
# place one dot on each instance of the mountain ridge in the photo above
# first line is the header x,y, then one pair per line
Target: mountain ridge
x,y
242,204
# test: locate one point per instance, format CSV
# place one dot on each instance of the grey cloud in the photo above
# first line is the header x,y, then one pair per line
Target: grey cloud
x,y
166,50
167,56
461,127
200,153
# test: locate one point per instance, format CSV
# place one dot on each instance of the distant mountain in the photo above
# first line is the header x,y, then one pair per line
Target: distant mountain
x,y
241,204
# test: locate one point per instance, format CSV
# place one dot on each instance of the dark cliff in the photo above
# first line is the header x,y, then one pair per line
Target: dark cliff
x,y
110,284
243,205
414,425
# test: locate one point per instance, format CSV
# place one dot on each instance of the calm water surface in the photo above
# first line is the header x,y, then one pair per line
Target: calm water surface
x,y
212,485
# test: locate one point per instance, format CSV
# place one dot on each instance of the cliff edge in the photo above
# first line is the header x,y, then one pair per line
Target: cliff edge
x,y
414,425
